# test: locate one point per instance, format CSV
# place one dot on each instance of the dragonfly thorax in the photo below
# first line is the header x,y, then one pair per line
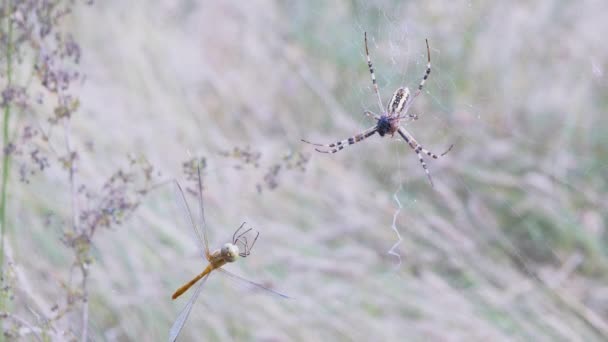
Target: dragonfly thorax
x,y
229,252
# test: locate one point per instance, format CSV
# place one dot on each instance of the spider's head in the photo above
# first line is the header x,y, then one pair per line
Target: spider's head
x,y
229,252
384,125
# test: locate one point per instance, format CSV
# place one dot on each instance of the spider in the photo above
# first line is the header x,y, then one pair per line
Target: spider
x,y
388,122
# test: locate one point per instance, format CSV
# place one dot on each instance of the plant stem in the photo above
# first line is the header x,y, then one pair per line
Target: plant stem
x,y
5,134
75,228
71,169
85,305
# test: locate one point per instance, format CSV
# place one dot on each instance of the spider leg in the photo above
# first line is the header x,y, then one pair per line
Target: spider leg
x,y
409,139
416,147
243,241
372,115
414,144
242,234
412,117
427,72
253,243
371,71
237,231
337,146
446,151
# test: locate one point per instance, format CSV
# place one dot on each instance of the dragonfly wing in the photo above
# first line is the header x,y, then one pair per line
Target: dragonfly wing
x,y
202,239
249,282
202,209
183,315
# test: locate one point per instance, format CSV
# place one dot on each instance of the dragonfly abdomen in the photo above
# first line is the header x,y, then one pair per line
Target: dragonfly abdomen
x,y
188,285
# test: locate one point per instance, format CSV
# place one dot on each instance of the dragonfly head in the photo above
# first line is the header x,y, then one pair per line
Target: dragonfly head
x,y
230,252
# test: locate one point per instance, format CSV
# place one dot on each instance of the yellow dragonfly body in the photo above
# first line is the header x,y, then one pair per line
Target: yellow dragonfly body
x,y
217,259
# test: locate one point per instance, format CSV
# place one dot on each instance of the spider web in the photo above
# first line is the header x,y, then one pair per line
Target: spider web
x,y
399,59
397,50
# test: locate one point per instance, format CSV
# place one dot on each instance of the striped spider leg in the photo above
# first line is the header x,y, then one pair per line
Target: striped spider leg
x,y
338,146
409,139
389,121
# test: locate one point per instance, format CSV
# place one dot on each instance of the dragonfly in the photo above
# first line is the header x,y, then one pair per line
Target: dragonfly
x,y
228,253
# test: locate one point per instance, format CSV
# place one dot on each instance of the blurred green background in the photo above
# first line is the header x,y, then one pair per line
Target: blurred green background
x,y
510,244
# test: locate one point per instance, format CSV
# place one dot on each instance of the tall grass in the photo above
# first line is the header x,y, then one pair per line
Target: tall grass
x,y
507,246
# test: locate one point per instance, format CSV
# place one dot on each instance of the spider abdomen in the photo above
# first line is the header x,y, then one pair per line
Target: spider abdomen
x,y
398,101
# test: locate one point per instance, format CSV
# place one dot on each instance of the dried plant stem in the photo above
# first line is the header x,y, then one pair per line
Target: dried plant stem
x,y
5,134
71,159
85,304
71,169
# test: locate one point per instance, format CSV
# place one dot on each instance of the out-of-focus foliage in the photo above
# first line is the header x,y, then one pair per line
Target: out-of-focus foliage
x,y
509,245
